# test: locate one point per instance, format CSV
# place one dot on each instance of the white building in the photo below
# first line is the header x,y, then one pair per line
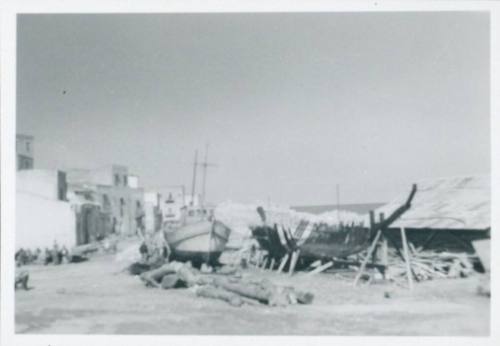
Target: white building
x,y
152,211
43,215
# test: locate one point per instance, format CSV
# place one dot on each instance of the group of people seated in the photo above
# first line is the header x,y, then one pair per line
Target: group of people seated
x,y
55,255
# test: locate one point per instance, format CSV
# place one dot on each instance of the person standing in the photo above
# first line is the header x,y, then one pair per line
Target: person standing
x,y
139,218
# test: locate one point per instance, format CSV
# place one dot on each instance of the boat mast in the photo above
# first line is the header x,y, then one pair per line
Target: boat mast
x,y
193,187
205,164
338,203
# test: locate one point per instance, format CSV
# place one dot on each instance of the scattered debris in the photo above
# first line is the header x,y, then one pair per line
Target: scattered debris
x,y
429,265
225,284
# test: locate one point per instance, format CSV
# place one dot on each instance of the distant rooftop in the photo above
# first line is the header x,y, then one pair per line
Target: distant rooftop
x,y
445,203
360,208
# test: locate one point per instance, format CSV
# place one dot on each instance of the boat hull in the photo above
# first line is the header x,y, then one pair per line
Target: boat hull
x,y
200,242
335,242
319,242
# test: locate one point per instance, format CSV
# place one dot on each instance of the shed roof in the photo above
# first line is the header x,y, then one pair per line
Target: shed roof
x,y
456,203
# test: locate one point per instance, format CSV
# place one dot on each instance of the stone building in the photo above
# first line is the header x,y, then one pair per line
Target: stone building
x,y
109,187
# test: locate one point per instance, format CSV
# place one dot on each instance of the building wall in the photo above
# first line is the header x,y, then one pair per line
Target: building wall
x,y
152,211
121,204
109,187
24,152
133,181
50,184
23,162
171,203
40,221
112,175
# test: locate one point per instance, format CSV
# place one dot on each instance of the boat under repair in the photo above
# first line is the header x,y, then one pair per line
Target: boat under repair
x,y
313,240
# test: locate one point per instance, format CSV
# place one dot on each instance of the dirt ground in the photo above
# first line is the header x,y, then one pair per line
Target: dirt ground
x,y
94,298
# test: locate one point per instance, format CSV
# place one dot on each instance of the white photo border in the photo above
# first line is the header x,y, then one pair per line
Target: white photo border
x,y
8,130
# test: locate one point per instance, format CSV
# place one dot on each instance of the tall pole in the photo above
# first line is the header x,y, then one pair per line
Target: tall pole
x,y
183,195
205,164
193,187
338,203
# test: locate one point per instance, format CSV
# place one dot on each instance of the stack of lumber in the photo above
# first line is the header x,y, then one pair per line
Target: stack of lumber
x,y
225,284
429,265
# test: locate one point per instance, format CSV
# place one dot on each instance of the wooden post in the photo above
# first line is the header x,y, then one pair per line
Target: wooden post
x,y
271,265
367,258
372,219
407,258
376,250
398,251
264,262
385,251
293,261
283,263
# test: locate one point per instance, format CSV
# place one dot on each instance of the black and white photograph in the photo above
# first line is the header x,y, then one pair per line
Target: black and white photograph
x,y
263,173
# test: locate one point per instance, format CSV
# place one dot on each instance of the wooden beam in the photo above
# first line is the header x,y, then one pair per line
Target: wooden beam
x,y
271,265
320,268
407,258
385,251
375,250
283,262
293,261
367,258
398,251
265,259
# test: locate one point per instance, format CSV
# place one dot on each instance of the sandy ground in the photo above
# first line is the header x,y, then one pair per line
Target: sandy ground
x,y
91,298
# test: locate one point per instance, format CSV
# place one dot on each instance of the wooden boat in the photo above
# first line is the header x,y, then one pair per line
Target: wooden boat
x,y
199,242
199,237
315,241
320,240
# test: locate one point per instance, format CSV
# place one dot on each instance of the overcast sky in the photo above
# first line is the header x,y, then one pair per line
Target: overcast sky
x,y
291,104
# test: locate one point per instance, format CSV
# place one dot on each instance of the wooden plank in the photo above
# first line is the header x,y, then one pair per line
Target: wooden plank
x,y
366,259
271,265
264,262
283,263
398,251
293,261
320,268
407,258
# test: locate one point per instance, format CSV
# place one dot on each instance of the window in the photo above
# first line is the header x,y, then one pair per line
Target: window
x,y
125,180
28,147
117,180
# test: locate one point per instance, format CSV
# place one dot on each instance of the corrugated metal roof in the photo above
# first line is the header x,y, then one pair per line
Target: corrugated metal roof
x,y
446,203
